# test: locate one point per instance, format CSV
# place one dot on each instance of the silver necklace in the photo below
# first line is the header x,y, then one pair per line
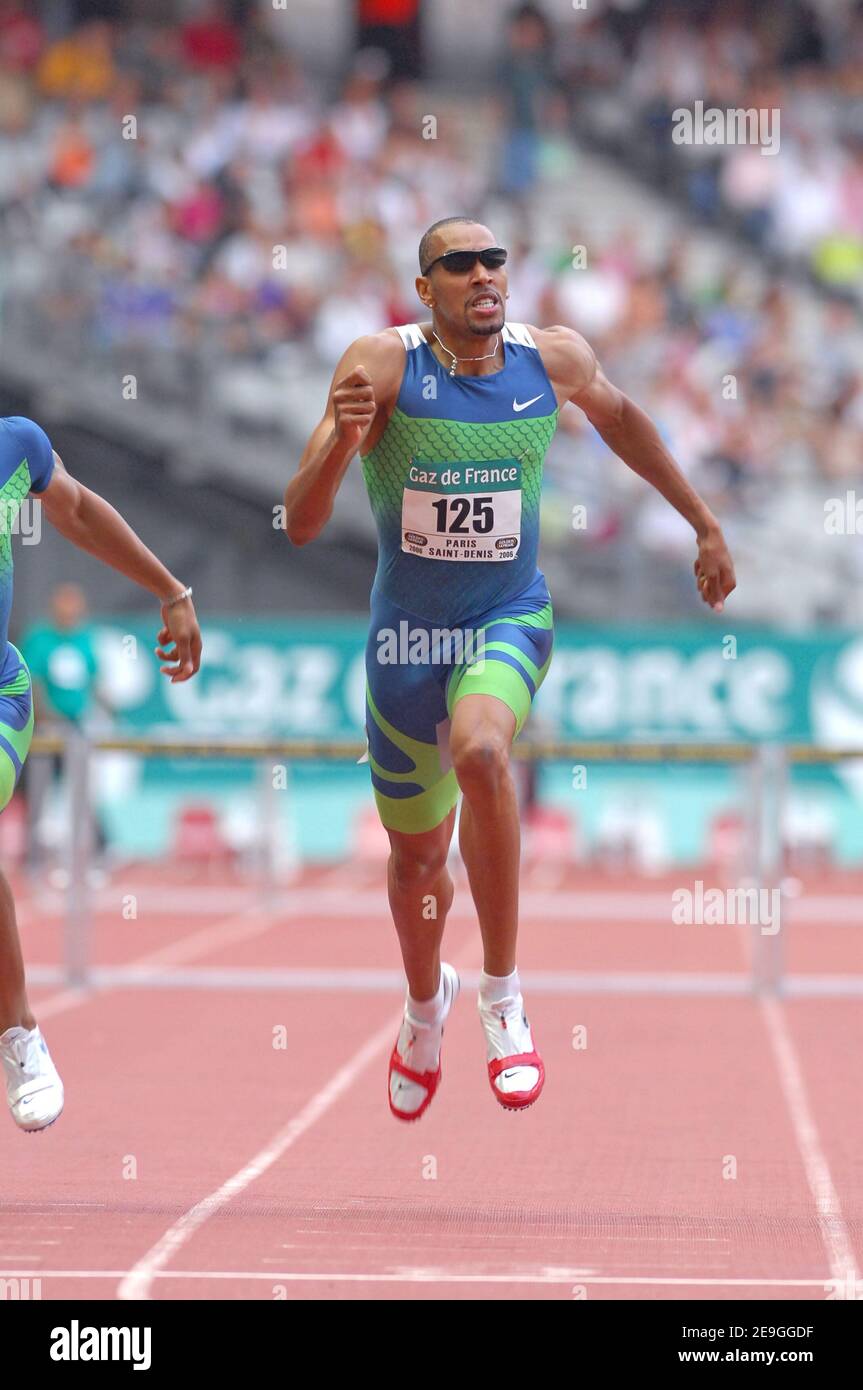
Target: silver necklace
x,y
456,360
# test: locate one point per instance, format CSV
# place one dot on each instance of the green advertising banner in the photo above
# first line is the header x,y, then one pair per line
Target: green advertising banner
x,y
305,678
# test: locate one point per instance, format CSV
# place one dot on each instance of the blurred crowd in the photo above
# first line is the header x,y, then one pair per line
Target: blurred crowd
x,y
804,60
186,188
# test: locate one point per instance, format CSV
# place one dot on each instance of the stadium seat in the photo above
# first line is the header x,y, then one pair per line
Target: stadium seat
x,y
809,832
550,833
631,837
726,840
199,836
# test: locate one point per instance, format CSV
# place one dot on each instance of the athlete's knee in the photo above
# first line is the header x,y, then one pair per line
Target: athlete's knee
x,y
416,867
481,761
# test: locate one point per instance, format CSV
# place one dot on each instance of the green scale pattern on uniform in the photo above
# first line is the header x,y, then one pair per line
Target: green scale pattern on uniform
x,y
12,495
385,470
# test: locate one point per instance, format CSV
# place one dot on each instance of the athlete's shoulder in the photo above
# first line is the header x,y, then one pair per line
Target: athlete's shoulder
x,y
381,354
567,356
519,333
389,344
25,431
412,335
34,445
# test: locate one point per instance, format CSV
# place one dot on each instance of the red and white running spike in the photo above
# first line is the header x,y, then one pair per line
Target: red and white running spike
x,y
415,1069
515,1070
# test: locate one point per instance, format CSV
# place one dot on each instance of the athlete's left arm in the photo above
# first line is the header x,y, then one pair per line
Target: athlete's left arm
x,y
632,435
92,524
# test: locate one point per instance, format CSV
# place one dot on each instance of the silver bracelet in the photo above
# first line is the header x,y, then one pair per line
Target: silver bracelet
x,y
178,598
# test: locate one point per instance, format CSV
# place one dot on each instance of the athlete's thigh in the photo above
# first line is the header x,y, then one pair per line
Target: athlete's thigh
x,y
477,717
16,728
513,658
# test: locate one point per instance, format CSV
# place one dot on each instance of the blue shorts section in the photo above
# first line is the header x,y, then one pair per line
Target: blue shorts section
x,y
413,666
16,722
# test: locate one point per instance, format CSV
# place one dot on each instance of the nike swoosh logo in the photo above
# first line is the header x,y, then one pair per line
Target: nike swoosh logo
x,y
522,405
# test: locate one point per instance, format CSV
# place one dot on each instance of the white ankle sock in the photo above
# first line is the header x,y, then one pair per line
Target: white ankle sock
x,y
427,1010
507,1031
493,988
16,1032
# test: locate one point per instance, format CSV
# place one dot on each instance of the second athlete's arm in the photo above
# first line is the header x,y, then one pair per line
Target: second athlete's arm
x,y
93,525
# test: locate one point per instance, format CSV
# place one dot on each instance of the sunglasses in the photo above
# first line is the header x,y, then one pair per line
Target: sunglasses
x,y
460,262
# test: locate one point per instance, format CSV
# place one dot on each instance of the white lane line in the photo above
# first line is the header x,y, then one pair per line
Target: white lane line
x,y
136,1283
351,894
237,927
834,1232
362,979
430,1276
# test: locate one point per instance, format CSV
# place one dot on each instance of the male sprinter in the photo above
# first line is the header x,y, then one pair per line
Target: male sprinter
x,y
29,465
454,417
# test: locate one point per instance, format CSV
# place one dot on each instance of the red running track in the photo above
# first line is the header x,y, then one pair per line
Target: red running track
x,y
697,1146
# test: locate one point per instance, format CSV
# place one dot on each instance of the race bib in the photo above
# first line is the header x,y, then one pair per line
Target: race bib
x,y
462,511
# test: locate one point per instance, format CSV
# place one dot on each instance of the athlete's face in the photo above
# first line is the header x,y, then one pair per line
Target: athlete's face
x,y
471,301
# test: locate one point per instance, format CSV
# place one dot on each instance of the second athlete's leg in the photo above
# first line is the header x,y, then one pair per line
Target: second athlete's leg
x,y
34,1091
16,728
14,1009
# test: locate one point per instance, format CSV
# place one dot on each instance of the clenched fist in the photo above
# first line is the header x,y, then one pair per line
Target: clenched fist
x,y
354,406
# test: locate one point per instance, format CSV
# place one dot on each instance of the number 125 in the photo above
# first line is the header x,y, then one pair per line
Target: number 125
x,y
460,510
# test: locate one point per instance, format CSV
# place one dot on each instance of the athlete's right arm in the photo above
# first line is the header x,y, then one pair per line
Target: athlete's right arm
x,y
364,384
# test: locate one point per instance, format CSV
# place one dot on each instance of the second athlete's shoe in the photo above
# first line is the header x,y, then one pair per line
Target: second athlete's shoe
x,y
33,1087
